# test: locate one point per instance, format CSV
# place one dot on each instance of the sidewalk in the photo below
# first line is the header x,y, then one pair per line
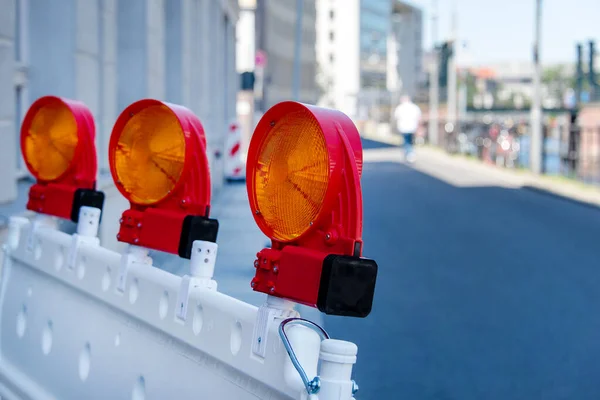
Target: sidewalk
x,y
548,184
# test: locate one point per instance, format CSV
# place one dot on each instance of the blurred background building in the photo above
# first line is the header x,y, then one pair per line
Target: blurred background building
x,y
110,53
275,22
266,49
405,47
368,52
235,58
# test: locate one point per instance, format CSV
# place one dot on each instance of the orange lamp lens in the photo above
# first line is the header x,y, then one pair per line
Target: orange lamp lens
x,y
291,175
150,155
50,141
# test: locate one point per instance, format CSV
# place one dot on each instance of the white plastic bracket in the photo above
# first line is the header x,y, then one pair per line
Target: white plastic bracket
x,y
39,220
133,254
87,232
274,308
202,267
15,225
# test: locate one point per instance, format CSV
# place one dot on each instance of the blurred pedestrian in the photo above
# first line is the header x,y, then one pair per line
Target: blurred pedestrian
x,y
408,118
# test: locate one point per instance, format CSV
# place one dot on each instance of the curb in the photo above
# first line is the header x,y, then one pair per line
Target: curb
x,y
545,192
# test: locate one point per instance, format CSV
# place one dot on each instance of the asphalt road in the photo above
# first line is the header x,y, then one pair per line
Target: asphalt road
x,y
484,291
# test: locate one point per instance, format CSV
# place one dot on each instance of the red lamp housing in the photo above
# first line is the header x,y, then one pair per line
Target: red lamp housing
x,y
57,143
157,156
303,180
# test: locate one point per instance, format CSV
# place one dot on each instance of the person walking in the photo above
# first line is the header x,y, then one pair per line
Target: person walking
x,y
408,118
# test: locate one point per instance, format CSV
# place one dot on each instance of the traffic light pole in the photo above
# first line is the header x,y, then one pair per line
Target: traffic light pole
x,y
452,78
434,89
594,87
452,86
536,103
434,93
579,75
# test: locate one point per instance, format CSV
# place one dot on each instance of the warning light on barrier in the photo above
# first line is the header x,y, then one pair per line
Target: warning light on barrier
x,y
57,142
157,155
303,179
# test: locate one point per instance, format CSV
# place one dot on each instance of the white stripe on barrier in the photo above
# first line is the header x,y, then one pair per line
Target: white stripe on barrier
x,y
234,167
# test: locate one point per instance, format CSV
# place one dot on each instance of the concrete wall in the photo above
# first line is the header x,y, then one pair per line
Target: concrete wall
x,y
8,138
110,53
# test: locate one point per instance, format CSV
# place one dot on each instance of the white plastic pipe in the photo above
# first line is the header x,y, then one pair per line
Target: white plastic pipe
x,y
337,358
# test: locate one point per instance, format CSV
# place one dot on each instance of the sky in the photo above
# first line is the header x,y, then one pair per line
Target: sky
x,y
503,30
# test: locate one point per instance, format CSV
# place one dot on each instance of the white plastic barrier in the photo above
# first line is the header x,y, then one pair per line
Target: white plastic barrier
x,y
78,321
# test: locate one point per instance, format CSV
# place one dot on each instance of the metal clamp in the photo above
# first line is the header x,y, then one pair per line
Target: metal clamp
x,y
313,386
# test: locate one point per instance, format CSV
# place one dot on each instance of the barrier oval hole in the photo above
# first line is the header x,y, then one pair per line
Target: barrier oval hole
x,y
84,362
37,252
236,338
47,338
163,306
133,291
139,389
22,321
81,269
197,320
106,279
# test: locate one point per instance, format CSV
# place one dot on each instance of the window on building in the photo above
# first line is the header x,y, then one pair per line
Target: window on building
x,y
331,57
331,36
331,14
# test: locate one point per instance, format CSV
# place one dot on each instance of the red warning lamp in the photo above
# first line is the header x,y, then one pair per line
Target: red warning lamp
x,y
303,180
158,161
57,142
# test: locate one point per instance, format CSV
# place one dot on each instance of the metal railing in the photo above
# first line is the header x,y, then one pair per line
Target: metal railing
x,y
568,150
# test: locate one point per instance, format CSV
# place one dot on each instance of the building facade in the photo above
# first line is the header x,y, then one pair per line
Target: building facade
x,y
405,46
110,53
365,48
275,32
338,54
374,29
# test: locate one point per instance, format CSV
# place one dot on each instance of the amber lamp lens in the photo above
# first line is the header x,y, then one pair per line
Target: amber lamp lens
x,y
50,141
150,155
291,175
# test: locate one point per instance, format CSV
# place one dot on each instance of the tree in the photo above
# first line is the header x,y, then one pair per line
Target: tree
x,y
557,79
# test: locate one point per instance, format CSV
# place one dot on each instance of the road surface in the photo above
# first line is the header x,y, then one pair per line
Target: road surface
x,y
485,291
